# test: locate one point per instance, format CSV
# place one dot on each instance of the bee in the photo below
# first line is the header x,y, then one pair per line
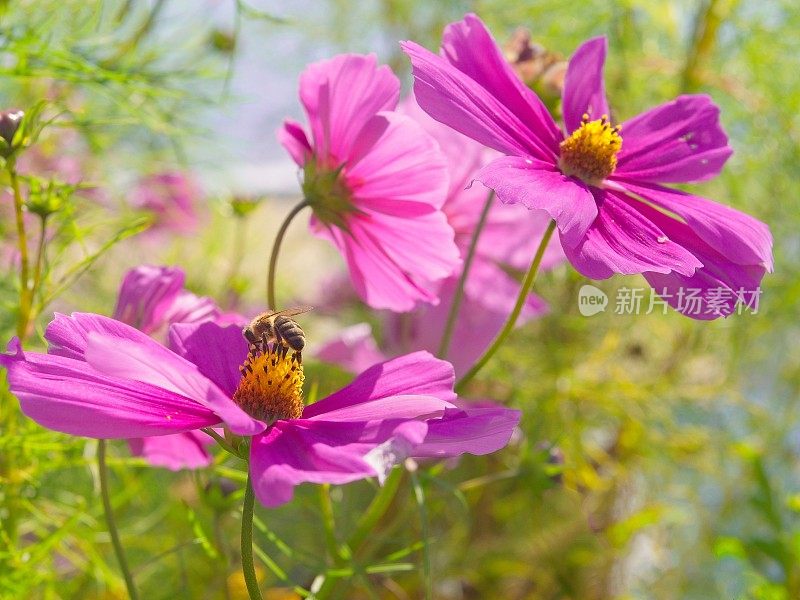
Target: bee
x,y
277,327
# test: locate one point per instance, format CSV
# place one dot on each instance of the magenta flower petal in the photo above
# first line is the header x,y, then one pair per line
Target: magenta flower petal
x,y
302,451
622,240
401,406
470,48
293,138
149,362
418,373
189,308
742,238
354,349
69,335
216,351
146,293
468,430
395,162
537,186
174,452
584,91
340,95
151,297
67,395
376,277
718,284
453,98
677,142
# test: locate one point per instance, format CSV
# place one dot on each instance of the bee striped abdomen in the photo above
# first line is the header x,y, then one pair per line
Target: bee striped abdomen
x,y
291,333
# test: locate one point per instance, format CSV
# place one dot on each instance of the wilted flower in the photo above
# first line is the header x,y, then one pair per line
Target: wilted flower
x,y
533,63
134,387
375,181
172,198
603,193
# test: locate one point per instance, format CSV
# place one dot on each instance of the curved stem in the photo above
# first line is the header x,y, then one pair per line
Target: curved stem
x,y
22,240
527,284
276,246
452,316
112,524
248,566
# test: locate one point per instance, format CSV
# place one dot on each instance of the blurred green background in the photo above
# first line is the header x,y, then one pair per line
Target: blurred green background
x,y
658,456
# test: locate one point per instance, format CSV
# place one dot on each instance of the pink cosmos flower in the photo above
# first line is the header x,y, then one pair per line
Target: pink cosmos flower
x,y
172,198
375,181
104,379
151,298
601,184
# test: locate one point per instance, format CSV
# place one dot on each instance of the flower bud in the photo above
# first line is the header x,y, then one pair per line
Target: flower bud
x,y
9,123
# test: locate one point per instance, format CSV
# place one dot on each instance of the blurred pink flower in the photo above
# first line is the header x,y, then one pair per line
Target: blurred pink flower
x,y
355,348
104,379
151,299
375,181
172,197
603,192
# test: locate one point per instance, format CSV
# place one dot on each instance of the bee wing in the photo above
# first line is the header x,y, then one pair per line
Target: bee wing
x,y
290,312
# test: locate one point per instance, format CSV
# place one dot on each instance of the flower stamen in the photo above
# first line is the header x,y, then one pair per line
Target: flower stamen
x,y
271,387
590,153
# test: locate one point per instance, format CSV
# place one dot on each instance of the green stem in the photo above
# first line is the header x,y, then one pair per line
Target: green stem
x,y
419,494
329,523
452,316
22,240
711,16
527,284
38,263
276,246
376,509
248,566
112,524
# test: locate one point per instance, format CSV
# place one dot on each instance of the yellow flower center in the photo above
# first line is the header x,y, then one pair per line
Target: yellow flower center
x,y
271,386
590,153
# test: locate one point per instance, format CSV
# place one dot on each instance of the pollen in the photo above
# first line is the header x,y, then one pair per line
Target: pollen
x,y
590,153
271,387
